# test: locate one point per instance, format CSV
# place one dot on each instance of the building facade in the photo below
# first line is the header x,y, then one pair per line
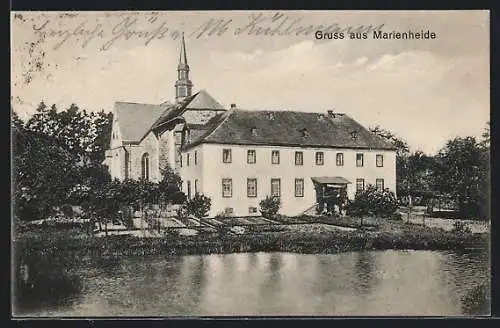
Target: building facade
x,y
238,157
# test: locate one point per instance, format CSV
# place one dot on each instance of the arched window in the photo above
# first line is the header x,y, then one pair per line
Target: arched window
x,y
145,166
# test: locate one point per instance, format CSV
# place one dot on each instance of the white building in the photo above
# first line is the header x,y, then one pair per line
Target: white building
x,y
238,157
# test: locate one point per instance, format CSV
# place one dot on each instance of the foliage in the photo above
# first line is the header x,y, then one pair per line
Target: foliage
x,y
67,210
221,216
400,144
373,202
270,206
198,206
82,133
461,227
55,152
169,187
462,171
44,173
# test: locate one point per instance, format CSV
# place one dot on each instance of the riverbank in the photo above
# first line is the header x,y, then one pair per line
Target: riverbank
x,y
46,257
297,237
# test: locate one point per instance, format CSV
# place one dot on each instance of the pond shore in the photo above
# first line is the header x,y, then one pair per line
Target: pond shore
x,y
299,238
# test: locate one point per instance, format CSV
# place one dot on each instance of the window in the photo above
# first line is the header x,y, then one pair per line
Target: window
x,y
299,187
145,166
254,132
251,157
226,155
360,184
189,189
127,160
340,159
227,187
380,160
252,210
380,184
179,156
275,157
195,157
195,186
359,160
275,187
228,211
320,158
299,158
178,137
187,159
251,187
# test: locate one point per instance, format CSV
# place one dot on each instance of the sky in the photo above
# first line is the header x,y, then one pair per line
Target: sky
x,y
425,91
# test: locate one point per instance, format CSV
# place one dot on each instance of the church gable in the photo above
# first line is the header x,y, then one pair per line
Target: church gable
x,y
135,120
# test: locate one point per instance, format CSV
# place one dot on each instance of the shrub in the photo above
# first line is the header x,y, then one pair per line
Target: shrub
x,y
370,201
270,206
198,206
461,227
67,210
221,216
397,217
178,198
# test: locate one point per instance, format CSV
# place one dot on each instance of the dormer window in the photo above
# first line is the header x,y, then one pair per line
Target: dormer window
x,y
187,136
304,133
254,131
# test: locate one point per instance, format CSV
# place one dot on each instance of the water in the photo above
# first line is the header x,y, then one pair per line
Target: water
x,y
354,283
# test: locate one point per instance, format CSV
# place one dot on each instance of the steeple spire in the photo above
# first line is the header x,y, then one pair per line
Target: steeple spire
x,y
182,54
183,86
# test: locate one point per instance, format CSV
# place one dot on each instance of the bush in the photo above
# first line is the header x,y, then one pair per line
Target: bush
x,y
178,198
461,227
67,210
270,206
221,216
397,217
198,206
373,202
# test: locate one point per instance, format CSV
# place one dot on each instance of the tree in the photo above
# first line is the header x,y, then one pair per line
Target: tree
x,y
55,152
169,187
402,153
84,134
270,206
198,206
373,202
44,172
401,146
462,171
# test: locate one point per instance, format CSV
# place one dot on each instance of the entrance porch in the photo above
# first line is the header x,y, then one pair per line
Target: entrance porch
x,y
331,194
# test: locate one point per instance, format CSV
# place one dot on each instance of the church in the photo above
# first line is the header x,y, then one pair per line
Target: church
x,y
237,157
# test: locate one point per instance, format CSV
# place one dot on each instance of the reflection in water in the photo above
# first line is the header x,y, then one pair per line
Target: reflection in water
x,y
354,283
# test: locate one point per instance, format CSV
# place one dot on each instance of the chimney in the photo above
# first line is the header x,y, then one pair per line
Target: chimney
x,y
233,106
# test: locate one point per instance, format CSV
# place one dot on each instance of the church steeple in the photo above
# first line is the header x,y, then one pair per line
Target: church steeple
x,y
183,85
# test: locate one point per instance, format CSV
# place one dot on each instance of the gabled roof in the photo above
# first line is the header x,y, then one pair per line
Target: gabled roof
x,y
136,119
202,100
288,128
